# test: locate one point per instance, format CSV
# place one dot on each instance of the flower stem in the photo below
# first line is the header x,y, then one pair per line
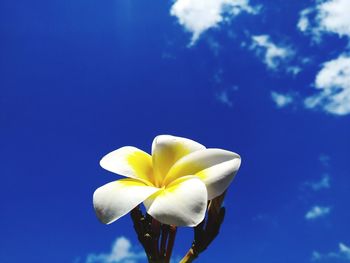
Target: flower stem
x,y
189,257
171,241
163,242
157,239
207,230
155,236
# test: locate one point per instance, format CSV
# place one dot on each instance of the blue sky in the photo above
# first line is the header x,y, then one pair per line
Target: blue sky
x,y
266,79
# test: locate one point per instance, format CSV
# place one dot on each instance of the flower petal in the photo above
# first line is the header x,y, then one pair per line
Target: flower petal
x,y
218,177
115,199
130,162
166,150
202,160
182,203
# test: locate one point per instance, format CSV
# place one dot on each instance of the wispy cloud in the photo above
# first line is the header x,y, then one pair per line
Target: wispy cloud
x,y
309,25
122,252
282,100
225,96
304,22
343,254
317,212
197,16
333,83
273,55
294,70
323,183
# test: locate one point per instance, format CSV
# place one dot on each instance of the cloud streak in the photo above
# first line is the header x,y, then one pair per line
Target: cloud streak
x,y
343,254
224,98
317,212
323,183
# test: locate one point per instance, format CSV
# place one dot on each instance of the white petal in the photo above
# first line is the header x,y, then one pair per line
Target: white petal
x,y
166,150
130,162
182,203
218,177
115,199
218,166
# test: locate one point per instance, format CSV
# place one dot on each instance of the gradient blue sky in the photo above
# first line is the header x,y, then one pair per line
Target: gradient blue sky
x,y
79,79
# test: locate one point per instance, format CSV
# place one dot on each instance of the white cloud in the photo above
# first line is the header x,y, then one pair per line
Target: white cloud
x,y
281,100
330,16
324,183
333,16
333,81
273,55
343,253
317,211
197,16
122,252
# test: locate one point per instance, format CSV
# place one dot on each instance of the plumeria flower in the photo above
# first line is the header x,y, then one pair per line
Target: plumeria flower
x,y
174,184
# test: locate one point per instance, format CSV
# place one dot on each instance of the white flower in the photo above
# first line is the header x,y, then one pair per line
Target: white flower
x,y
174,183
